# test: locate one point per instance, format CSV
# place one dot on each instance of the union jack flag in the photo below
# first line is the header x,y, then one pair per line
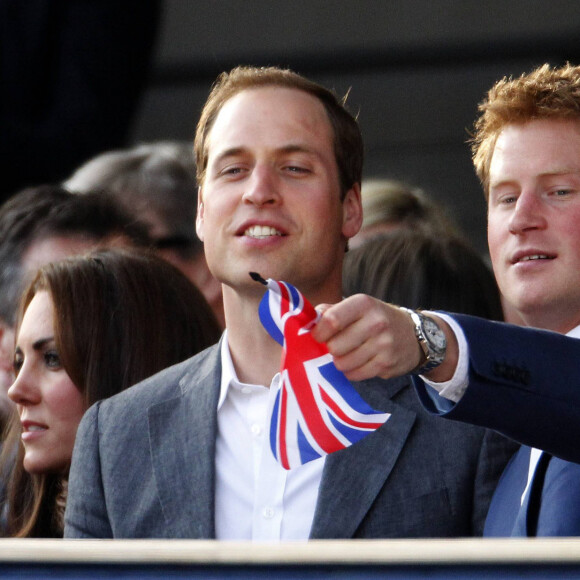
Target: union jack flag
x,y
316,410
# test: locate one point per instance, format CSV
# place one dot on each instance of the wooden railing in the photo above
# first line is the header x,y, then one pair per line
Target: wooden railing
x,y
168,559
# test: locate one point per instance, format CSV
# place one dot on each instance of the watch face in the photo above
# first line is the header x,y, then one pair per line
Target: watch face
x,y
434,334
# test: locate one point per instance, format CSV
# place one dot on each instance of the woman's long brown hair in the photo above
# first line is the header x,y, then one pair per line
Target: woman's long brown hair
x,y
120,316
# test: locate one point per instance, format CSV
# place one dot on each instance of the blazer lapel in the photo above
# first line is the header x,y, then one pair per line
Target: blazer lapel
x,y
182,433
353,477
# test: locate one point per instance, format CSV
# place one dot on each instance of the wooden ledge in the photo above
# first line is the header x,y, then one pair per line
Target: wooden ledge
x,y
348,552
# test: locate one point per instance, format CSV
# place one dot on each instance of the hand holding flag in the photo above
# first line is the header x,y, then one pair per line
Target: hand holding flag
x,y
316,411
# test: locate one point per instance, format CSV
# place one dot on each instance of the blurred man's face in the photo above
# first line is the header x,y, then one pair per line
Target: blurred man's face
x,y
55,248
6,369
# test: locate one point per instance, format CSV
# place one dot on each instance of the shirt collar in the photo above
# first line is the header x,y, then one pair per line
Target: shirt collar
x,y
229,376
228,371
574,333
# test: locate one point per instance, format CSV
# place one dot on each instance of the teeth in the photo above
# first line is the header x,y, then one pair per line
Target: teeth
x,y
261,232
534,257
36,428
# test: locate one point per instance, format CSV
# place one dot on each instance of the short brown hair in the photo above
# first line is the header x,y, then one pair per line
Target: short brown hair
x,y
348,143
545,93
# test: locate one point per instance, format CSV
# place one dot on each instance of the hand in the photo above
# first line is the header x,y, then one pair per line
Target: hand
x,y
368,338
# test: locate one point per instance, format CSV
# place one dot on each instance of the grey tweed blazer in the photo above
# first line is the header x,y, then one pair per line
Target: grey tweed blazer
x,y
143,466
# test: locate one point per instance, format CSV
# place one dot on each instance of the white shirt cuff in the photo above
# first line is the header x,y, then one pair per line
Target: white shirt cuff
x,y
454,388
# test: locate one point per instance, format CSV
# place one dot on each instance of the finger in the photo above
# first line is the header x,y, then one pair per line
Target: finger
x,y
371,332
377,356
381,344
336,317
383,366
368,370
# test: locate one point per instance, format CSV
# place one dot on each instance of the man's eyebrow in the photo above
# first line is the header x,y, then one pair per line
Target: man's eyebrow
x,y
291,148
547,174
563,171
229,153
501,183
296,148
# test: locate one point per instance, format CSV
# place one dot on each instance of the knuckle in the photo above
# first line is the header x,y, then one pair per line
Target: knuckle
x,y
331,320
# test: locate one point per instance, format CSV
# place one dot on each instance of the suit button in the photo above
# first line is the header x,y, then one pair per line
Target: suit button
x,y
499,369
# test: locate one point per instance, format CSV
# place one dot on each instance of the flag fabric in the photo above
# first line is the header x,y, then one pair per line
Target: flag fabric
x,y
316,410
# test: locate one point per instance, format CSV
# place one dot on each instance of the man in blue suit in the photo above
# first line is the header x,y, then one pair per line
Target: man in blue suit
x,y
527,155
185,454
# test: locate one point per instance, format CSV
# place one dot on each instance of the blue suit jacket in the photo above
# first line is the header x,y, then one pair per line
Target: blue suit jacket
x,y
551,506
523,383
144,466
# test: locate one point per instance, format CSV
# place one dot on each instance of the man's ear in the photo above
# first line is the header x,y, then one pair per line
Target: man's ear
x,y
199,217
352,212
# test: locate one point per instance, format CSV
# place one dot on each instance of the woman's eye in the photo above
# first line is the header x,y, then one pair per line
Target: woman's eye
x,y
52,359
17,364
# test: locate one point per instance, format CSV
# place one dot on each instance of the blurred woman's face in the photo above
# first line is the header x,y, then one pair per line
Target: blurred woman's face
x,y
49,404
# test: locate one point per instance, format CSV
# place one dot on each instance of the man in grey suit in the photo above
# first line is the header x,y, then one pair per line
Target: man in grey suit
x,y
185,454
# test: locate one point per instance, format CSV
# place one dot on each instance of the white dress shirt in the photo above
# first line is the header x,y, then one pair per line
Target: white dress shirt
x,y
257,499
456,386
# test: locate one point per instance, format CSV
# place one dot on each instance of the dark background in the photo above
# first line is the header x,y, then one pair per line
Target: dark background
x,y
416,70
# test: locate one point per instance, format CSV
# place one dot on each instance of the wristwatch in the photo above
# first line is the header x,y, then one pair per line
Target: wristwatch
x,y
431,339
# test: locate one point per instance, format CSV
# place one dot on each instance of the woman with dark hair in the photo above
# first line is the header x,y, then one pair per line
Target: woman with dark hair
x,y
420,270
89,327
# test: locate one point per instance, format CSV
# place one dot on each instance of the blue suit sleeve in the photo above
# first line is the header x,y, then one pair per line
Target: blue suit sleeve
x,y
523,383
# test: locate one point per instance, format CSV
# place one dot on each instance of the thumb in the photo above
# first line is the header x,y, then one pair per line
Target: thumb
x,y
321,309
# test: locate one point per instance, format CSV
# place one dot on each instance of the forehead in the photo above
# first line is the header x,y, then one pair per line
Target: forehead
x,y
271,117
38,318
537,147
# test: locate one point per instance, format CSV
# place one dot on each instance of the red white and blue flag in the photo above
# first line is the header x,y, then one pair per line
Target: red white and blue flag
x,y
316,410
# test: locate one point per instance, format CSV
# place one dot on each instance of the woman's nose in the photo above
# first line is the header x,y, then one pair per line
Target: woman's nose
x,y
24,390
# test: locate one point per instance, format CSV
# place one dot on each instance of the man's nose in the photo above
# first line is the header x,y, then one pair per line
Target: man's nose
x,y
262,188
528,213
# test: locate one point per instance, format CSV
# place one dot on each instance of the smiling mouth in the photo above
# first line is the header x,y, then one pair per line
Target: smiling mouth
x,y
262,232
536,257
32,428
